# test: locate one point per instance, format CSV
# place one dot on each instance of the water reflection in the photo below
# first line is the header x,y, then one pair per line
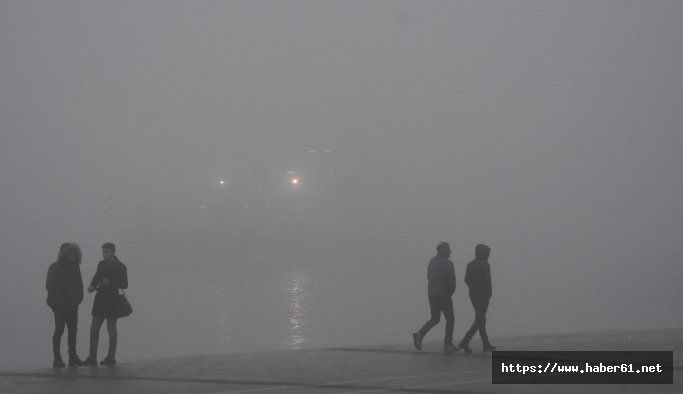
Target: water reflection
x,y
296,286
260,311
220,295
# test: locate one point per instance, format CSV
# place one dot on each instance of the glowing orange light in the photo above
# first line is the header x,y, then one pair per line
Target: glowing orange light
x,y
295,181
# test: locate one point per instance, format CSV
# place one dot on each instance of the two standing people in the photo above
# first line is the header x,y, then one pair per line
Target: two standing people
x,y
441,286
65,293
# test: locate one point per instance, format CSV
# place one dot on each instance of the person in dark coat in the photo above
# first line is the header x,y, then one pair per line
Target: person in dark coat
x,y
64,294
111,275
441,286
478,279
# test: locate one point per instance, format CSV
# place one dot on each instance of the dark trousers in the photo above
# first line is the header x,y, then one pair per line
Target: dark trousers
x,y
95,335
481,305
66,316
439,305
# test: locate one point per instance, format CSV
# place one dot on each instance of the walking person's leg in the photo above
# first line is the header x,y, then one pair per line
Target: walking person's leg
x,y
465,343
480,316
435,311
450,320
447,309
480,313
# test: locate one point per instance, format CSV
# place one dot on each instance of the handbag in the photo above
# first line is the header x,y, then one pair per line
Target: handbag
x,y
122,307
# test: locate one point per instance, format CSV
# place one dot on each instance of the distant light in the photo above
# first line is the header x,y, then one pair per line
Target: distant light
x,y
295,181
221,182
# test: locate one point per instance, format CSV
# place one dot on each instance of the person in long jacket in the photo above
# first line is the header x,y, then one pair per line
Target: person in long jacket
x,y
478,279
111,275
441,286
64,294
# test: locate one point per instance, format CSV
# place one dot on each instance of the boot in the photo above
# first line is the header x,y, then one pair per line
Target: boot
x,y
74,360
449,348
417,340
56,345
58,362
465,346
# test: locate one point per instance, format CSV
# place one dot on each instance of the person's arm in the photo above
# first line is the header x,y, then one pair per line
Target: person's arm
x,y
80,287
468,275
119,276
451,278
51,286
96,278
55,294
123,284
488,279
50,281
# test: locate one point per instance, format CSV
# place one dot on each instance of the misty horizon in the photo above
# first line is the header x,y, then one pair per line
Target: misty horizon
x,y
550,131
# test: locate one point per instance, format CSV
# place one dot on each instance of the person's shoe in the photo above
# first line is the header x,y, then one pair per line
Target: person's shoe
x,y
90,361
417,340
108,361
450,348
466,347
74,361
488,347
58,363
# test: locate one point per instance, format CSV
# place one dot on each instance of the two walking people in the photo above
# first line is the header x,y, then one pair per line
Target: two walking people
x,y
441,286
65,294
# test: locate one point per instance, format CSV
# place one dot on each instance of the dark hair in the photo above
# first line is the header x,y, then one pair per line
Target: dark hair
x,y
109,246
67,248
443,247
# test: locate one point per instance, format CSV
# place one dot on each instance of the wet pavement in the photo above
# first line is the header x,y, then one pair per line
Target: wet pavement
x,y
376,369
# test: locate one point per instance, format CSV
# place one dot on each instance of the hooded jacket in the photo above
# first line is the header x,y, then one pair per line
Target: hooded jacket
x,y
478,274
440,277
64,282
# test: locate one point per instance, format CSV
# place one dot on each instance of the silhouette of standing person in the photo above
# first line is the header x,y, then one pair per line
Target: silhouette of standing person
x,y
111,275
441,286
64,294
478,279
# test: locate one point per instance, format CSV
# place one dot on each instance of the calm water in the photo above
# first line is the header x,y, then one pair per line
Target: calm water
x,y
262,306
223,310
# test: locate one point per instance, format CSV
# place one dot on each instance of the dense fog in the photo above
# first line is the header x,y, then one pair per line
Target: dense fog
x,y
551,131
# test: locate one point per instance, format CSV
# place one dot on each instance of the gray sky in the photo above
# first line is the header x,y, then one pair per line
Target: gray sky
x,y
551,130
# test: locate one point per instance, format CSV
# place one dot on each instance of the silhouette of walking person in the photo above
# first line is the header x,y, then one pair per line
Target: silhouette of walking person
x,y
111,275
64,294
478,279
441,286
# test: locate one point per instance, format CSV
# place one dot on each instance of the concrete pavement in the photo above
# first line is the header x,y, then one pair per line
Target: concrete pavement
x,y
383,368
